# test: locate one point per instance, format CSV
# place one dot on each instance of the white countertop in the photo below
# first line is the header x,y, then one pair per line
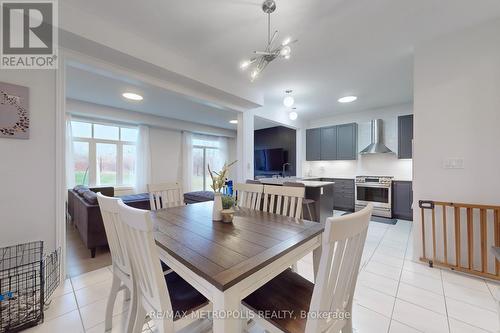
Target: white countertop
x,y
307,183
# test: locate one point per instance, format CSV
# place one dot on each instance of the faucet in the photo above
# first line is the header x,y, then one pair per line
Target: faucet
x,y
284,167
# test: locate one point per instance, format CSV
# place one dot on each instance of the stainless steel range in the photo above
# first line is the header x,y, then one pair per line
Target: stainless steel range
x,y
376,190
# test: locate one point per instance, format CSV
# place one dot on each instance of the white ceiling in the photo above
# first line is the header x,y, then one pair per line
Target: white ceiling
x,y
106,88
361,47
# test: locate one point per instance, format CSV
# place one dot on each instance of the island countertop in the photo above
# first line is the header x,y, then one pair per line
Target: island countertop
x,y
307,183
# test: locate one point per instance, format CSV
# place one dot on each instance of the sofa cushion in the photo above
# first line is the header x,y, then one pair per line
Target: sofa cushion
x,y
90,197
135,197
198,196
80,189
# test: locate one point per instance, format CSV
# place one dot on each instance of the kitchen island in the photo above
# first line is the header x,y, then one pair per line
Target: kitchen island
x,y
319,191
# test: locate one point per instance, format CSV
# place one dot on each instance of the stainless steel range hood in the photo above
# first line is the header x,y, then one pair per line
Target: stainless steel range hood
x,y
377,145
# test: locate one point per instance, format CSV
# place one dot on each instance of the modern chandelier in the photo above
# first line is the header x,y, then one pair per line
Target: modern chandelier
x,y
258,63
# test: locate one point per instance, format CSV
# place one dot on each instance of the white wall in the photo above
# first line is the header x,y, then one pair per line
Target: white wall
x,y
457,116
27,167
383,165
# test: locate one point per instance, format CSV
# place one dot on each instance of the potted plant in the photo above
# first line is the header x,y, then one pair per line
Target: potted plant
x,y
227,211
218,183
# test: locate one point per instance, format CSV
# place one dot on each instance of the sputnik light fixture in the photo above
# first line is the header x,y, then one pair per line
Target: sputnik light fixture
x,y
258,63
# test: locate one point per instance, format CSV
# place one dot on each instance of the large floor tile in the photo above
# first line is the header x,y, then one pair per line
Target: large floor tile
x,y
93,293
422,297
91,278
94,313
397,327
457,326
60,305
64,288
419,318
69,322
365,320
118,326
378,282
422,268
374,300
388,271
422,281
465,280
472,315
388,260
391,251
471,296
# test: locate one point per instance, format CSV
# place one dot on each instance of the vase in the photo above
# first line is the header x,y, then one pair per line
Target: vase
x,y
216,211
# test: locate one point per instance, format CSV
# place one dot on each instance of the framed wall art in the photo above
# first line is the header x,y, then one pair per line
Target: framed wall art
x,y
14,111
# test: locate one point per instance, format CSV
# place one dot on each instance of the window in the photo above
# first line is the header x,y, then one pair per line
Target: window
x,y
207,150
104,154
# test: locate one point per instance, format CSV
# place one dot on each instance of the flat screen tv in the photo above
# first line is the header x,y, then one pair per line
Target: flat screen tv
x,y
269,159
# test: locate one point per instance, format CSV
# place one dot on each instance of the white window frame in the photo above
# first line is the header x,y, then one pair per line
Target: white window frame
x,y
92,174
204,148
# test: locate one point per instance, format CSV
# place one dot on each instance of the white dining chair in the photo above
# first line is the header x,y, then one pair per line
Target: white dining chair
x,y
328,302
165,195
249,195
122,270
306,201
284,200
169,296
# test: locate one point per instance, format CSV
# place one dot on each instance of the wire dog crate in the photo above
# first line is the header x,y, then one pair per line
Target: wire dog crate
x,y
27,279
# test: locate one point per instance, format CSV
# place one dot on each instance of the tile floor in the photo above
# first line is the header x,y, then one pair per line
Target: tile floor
x,y
394,294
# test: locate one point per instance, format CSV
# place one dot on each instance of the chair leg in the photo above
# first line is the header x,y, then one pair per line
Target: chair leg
x,y
139,319
310,213
131,311
115,287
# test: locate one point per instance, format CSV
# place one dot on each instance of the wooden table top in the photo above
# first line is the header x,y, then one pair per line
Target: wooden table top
x,y
226,253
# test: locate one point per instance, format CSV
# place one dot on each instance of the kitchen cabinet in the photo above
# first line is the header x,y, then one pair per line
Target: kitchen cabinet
x,y
343,194
402,199
329,143
313,144
347,142
405,136
332,143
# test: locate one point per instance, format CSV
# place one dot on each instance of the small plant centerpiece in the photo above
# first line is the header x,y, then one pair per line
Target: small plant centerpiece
x,y
227,211
218,183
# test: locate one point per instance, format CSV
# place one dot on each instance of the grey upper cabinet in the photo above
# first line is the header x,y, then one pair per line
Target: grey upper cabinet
x,y
347,142
405,136
329,143
332,143
313,144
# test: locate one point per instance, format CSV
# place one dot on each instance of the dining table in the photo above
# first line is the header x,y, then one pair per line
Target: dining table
x,y
228,261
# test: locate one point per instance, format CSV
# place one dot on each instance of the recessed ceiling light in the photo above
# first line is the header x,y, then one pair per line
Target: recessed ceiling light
x,y
347,99
293,115
132,96
234,121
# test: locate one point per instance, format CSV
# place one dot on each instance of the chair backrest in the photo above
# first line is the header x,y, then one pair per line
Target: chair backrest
x,y
251,181
146,268
249,195
114,232
343,241
165,195
284,200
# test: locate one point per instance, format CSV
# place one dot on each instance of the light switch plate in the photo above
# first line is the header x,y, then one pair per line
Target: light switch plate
x,y
453,163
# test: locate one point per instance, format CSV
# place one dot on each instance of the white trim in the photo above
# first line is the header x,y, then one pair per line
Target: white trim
x,y
92,142
60,167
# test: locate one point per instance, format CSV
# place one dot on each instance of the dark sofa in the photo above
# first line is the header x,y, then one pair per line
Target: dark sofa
x,y
84,211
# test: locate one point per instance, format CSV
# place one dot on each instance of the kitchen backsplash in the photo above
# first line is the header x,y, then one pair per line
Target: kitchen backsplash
x,y
376,165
